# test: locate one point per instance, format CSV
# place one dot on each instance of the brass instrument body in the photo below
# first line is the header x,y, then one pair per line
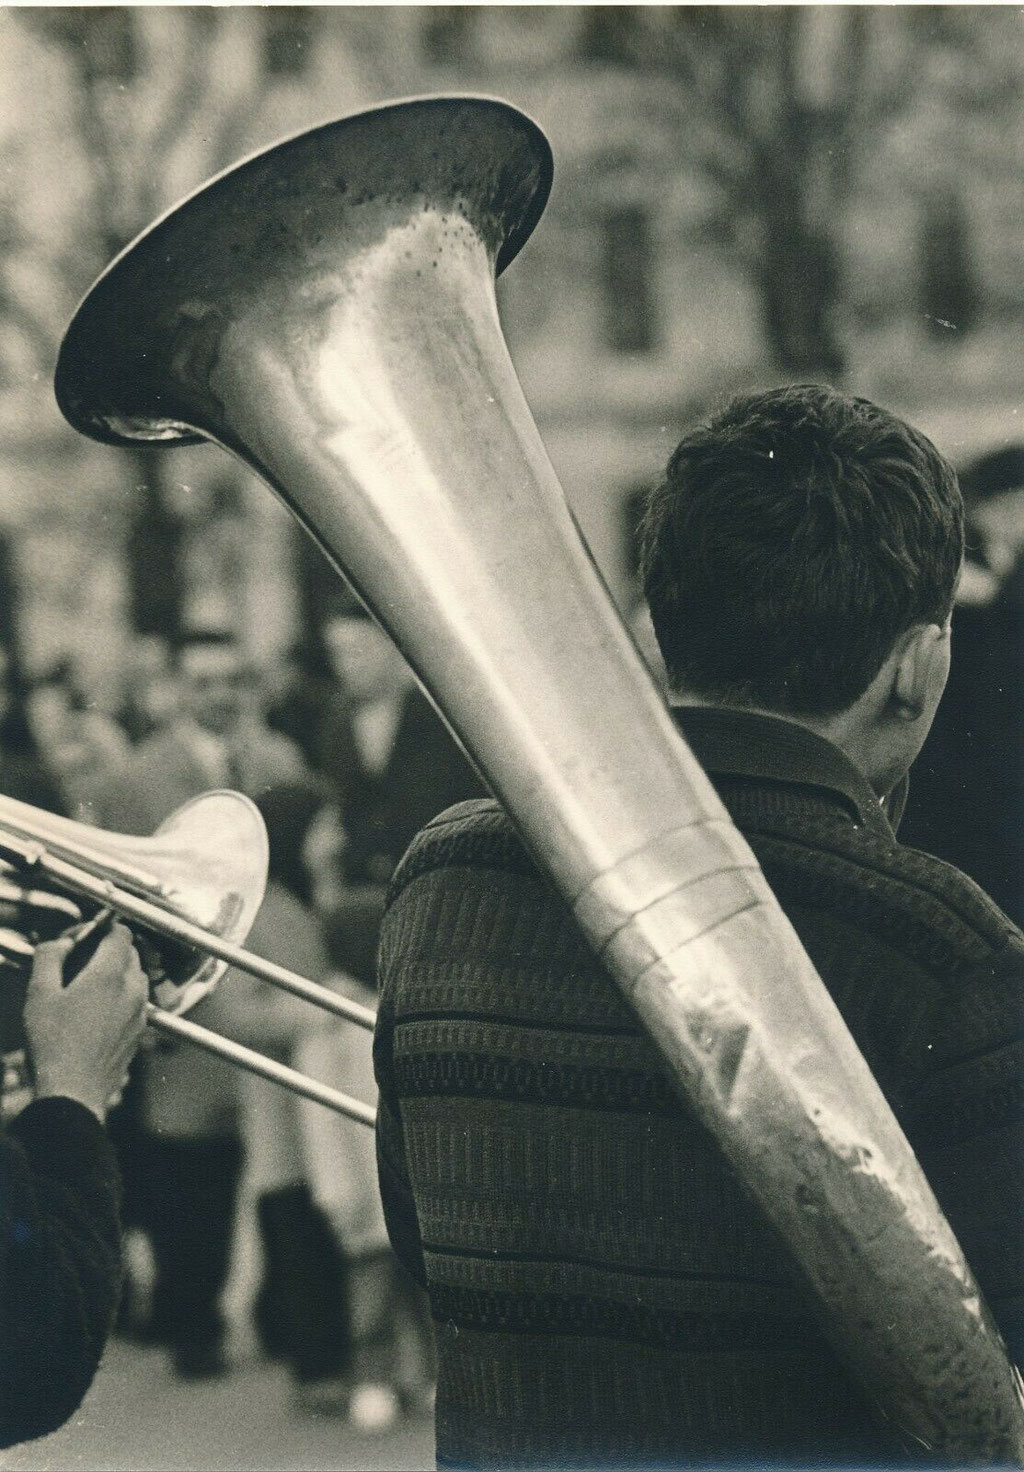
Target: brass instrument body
x,y
190,892
208,861
326,311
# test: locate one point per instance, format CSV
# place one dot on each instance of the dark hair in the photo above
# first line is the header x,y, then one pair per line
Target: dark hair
x,y
795,537
64,676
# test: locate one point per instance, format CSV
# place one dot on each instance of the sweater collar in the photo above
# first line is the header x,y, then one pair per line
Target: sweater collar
x,y
741,743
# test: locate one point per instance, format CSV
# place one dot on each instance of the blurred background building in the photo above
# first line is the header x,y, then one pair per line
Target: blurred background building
x,y
742,195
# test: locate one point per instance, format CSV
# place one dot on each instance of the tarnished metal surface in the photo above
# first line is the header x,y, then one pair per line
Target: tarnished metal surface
x,y
327,312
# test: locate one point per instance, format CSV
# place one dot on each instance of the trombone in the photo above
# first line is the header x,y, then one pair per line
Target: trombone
x,y
190,892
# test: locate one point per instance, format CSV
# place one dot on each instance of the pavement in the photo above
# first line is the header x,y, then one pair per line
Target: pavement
x,y
139,1418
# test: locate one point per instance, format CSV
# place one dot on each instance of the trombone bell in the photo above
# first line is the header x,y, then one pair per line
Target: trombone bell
x,y
206,863
190,893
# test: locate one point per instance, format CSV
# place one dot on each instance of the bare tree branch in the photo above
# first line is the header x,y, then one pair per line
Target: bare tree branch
x,y
193,80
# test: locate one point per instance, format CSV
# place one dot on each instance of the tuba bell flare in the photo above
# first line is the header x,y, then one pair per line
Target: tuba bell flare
x,y
326,311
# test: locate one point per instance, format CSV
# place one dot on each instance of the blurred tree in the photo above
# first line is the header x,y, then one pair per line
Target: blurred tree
x,y
161,98
780,110
108,62
627,260
949,290
289,35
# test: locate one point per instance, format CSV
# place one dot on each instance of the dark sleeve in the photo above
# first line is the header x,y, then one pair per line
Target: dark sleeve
x,y
60,1263
966,1123
392,1172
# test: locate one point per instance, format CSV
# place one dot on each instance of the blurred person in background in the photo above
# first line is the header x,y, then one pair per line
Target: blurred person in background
x,y
392,1361
392,1365
216,737
181,1154
24,771
393,764
966,799
303,694
60,1245
301,1309
149,688
80,744
333,1304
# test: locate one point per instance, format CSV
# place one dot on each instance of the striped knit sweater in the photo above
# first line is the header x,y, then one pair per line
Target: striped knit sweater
x,y
603,1292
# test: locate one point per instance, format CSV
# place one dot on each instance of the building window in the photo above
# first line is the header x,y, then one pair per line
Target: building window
x,y
287,40
448,34
608,33
106,35
627,276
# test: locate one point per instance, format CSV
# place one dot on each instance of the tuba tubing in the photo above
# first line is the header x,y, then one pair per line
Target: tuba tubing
x,y
326,312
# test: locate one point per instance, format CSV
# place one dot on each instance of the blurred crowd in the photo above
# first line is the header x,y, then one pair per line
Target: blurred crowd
x,y
345,759
966,800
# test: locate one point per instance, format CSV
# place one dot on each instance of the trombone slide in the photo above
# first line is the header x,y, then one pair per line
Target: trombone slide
x,y
268,1068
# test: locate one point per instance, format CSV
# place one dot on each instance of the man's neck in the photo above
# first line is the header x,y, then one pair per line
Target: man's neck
x,y
840,730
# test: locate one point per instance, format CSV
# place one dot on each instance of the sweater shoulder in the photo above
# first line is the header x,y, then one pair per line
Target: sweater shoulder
x,y
474,834
824,862
909,901
881,885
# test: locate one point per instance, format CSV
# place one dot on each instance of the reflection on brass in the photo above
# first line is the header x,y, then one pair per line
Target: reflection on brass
x,y
190,893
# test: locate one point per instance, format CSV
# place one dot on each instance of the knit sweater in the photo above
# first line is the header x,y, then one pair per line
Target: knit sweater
x,y
603,1290
60,1263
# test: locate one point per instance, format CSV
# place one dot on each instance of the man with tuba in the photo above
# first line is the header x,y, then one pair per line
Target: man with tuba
x,y
60,1247
603,1290
183,1163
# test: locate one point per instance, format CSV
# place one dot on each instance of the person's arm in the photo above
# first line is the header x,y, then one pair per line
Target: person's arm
x,y
60,1268
396,1195
392,1173
966,1124
60,1264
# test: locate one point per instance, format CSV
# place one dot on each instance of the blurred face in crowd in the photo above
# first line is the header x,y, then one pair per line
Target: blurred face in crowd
x,y
1000,519
216,686
49,714
151,684
364,659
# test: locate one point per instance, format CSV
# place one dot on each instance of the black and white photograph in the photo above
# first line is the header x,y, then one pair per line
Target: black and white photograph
x,y
511,737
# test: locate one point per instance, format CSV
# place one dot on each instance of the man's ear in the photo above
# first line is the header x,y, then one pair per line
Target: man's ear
x,y
922,666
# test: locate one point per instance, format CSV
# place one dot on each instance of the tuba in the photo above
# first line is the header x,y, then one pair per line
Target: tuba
x,y
326,312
